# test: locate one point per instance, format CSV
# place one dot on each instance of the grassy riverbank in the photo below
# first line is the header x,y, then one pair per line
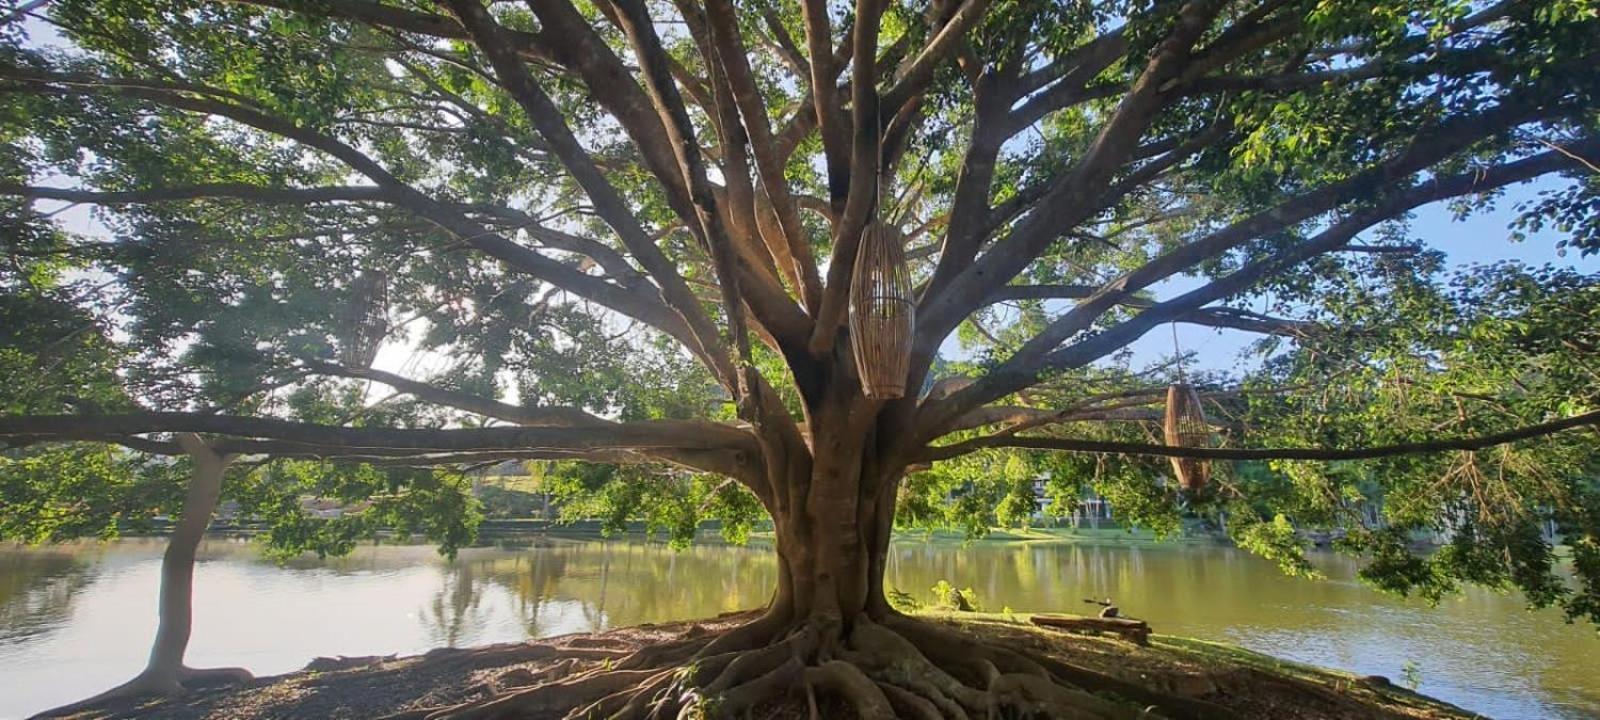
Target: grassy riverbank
x,y
1233,681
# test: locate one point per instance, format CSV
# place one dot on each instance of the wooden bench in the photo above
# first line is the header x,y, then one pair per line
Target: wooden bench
x,y
1136,631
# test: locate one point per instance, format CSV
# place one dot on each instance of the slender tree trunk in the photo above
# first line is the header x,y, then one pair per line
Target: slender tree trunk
x,y
165,667
165,673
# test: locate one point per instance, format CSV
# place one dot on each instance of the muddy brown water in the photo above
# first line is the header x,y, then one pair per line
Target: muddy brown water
x,y
77,619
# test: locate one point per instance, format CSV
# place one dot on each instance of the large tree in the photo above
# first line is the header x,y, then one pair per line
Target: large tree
x,y
624,233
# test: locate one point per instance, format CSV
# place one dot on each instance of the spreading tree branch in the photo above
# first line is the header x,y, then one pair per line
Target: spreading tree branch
x,y
547,118
1077,194
1479,442
1026,366
639,303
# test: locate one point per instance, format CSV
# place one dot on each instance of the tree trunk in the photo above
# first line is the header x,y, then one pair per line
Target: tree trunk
x,y
834,523
829,631
165,667
165,673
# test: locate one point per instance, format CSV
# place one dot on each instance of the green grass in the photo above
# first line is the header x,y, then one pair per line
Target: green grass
x,y
1225,654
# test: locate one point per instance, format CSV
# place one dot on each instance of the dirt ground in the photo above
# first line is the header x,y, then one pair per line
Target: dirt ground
x,y
1248,684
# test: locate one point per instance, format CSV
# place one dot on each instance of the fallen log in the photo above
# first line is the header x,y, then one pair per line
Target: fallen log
x,y
1137,631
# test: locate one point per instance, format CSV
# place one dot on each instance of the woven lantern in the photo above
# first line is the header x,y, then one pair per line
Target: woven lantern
x,y
1186,426
882,313
365,320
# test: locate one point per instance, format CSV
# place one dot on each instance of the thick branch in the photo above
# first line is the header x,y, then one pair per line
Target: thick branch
x,y
774,197
615,265
1074,87
643,304
547,118
729,463
1428,149
1022,369
1479,442
1017,415
643,436
969,208
1227,318
1078,193
751,388
865,157
829,112
231,191
916,76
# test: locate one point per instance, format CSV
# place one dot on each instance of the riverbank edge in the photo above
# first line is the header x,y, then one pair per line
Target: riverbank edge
x,y
512,532
493,530
1250,684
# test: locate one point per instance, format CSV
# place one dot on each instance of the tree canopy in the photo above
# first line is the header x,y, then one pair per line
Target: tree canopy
x,y
419,234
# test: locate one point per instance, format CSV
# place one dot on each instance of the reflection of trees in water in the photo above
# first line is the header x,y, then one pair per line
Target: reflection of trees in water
x,y
595,614
531,578
36,591
617,584
1166,584
362,560
1184,589
455,611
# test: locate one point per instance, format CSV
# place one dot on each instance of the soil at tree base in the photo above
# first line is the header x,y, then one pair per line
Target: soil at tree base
x,y
1249,684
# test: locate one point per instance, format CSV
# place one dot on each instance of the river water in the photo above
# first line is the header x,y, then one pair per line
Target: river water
x,y
77,619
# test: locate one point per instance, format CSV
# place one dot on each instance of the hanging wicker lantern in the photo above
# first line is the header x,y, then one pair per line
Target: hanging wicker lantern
x,y
1186,426
365,320
882,313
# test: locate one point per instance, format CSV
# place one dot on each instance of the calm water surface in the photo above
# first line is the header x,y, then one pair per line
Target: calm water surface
x,y
77,619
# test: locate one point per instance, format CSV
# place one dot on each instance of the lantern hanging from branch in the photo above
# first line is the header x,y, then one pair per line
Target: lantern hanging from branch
x,y
882,313
1186,426
364,323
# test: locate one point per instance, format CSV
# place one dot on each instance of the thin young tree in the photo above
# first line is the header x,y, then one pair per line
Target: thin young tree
x,y
627,230
165,673
59,358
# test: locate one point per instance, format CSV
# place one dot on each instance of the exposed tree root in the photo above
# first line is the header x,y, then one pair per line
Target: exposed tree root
x,y
141,686
894,668
156,684
193,677
545,698
774,683
663,654
909,704
848,681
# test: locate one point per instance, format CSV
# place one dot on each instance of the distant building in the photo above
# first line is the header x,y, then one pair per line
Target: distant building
x,y
1091,509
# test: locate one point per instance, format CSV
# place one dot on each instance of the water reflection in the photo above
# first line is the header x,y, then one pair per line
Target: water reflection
x,y
91,609
36,592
